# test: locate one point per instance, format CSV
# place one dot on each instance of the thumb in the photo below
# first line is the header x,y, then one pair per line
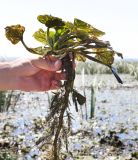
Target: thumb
x,y
50,65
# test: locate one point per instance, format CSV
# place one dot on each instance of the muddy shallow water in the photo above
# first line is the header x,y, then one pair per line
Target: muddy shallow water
x,y
111,134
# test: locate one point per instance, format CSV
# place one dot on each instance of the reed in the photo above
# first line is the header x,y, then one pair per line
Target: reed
x,y
93,99
8,99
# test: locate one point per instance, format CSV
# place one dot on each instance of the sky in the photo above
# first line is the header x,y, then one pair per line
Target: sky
x,y
117,18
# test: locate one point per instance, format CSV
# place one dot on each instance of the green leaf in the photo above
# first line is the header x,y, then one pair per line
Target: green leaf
x,y
51,38
114,71
88,28
81,34
14,33
67,44
105,56
70,26
74,99
51,21
63,36
40,36
76,31
57,34
80,98
52,34
119,54
80,57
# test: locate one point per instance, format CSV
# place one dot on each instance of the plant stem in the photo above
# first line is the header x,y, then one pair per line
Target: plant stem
x,y
68,86
92,102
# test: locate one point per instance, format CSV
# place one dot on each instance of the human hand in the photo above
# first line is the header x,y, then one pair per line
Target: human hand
x,y
34,74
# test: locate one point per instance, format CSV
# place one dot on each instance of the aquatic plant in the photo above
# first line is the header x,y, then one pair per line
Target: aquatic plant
x,y
68,42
